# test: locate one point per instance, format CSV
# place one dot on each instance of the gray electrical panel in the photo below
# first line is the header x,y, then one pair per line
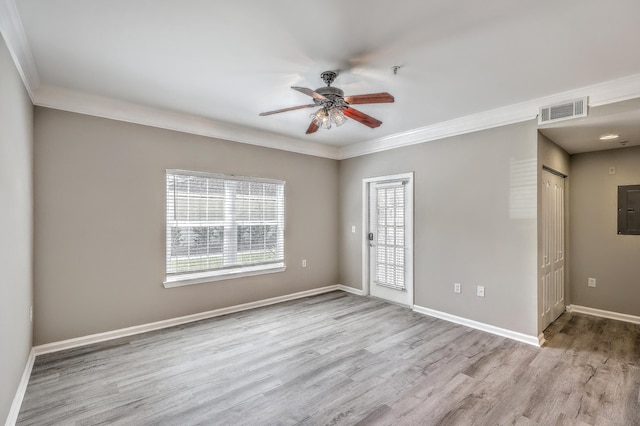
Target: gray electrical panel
x,y
629,210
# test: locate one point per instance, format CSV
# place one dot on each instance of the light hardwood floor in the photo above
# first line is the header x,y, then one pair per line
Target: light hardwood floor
x,y
338,359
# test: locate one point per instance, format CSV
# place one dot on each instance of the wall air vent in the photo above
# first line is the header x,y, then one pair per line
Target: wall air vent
x,y
563,111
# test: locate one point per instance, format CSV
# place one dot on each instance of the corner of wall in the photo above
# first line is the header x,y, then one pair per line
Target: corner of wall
x,y
16,193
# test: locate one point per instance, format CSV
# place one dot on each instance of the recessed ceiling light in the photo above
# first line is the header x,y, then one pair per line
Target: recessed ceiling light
x,y
609,137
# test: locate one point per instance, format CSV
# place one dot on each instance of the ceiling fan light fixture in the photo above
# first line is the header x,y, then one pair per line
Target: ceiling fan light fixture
x,y
337,116
321,118
325,117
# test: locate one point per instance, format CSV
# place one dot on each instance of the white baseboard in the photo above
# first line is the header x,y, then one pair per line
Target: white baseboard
x,y
520,337
12,418
604,314
109,335
347,289
541,340
143,328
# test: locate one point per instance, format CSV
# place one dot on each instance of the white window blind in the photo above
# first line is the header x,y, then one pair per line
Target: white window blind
x,y
390,244
220,224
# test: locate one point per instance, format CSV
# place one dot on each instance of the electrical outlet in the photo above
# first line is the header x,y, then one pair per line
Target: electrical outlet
x,y
480,291
457,288
591,282
304,263
353,229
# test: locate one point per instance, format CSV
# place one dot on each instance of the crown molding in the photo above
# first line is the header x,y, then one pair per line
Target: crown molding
x,y
69,100
458,126
59,98
599,94
98,106
18,45
612,91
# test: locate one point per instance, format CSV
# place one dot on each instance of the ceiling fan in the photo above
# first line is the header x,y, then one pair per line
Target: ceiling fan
x,y
335,107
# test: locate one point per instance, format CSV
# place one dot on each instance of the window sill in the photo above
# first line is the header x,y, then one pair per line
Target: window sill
x,y
206,277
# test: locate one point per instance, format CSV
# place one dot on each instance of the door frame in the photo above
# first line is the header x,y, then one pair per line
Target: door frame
x,y
366,184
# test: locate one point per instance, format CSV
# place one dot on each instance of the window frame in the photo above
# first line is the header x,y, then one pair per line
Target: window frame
x,y
177,279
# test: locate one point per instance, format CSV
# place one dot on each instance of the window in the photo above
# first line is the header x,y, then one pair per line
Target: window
x,y
221,226
390,228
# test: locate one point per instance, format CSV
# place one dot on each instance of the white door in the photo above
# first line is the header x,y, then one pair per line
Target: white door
x,y
390,240
553,252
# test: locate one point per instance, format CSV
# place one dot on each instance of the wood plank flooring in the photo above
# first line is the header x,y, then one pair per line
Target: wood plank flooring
x,y
339,359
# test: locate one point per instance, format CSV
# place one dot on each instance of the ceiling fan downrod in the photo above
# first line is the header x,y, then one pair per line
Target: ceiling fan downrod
x,y
328,77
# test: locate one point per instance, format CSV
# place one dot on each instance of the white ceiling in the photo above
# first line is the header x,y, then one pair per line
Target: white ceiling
x,y
217,65
583,134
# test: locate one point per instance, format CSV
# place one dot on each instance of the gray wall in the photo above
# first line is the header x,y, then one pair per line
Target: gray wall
x,y
596,249
16,217
552,156
99,215
475,222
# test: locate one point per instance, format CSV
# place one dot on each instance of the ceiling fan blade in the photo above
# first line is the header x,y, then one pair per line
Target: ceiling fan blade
x,y
287,109
363,118
371,98
313,127
309,92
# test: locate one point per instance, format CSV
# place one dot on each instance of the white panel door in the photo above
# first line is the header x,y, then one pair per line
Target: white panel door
x,y
389,264
553,247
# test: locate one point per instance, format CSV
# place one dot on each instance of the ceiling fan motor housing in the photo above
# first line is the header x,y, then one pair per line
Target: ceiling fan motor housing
x,y
333,94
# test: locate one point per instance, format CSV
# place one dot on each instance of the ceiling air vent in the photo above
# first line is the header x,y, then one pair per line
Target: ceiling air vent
x,y
563,111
